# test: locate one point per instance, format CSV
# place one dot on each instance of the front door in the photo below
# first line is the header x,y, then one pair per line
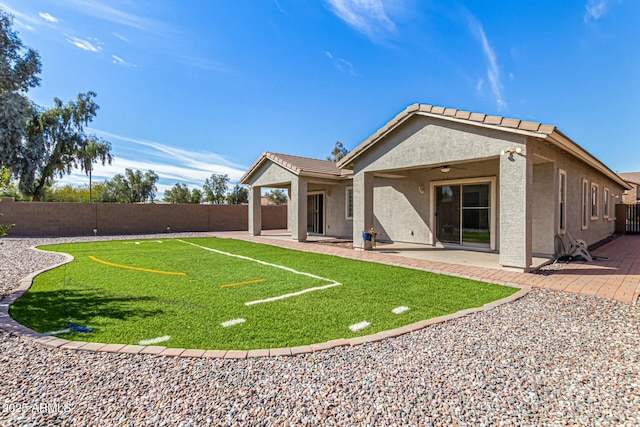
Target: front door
x,y
315,213
463,214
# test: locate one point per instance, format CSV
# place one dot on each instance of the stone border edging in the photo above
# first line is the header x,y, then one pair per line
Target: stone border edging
x,y
13,327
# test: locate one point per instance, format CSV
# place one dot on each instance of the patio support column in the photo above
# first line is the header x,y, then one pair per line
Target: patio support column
x,y
255,211
298,200
362,206
516,212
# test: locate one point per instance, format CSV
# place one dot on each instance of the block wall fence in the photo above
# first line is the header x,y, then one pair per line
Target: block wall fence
x,y
74,219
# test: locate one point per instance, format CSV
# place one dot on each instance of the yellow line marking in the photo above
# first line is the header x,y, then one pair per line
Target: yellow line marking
x,y
136,268
228,285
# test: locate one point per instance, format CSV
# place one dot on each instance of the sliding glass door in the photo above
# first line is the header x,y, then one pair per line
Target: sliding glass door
x,y
463,214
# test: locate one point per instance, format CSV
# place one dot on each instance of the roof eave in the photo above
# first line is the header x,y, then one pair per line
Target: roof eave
x,y
571,147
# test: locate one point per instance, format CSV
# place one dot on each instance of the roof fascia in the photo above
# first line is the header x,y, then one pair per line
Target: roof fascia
x,y
322,175
569,146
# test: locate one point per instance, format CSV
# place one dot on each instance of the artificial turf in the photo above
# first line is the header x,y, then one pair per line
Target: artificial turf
x,y
127,306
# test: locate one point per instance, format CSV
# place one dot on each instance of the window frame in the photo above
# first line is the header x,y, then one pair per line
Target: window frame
x,y
584,206
594,201
562,201
606,198
348,204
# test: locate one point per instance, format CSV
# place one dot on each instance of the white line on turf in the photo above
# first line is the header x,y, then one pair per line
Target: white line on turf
x,y
61,331
155,340
400,310
294,294
291,270
358,326
232,322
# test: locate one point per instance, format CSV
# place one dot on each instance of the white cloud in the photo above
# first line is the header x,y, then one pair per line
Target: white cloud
x,y
595,9
121,37
108,13
493,69
170,163
197,165
48,17
341,64
20,19
120,61
366,16
84,44
279,6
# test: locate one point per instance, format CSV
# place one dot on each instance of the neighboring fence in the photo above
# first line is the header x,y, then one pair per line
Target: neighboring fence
x,y
628,219
71,219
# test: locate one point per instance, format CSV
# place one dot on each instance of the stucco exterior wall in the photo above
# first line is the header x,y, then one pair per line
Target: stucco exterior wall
x,y
271,175
423,141
598,228
403,214
400,211
335,222
545,195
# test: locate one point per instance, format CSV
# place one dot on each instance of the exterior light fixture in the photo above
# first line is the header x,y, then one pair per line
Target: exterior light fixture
x,y
445,169
511,151
421,188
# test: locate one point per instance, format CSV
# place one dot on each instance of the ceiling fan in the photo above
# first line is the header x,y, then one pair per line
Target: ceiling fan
x,y
447,168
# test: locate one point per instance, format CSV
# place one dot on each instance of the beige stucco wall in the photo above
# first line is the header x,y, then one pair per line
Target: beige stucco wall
x,y
545,195
597,229
424,140
271,175
335,222
403,214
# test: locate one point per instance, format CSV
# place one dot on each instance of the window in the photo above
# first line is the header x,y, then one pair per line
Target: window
x,y
594,201
349,202
562,202
605,203
585,203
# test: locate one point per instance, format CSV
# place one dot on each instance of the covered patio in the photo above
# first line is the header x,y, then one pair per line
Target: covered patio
x,y
415,251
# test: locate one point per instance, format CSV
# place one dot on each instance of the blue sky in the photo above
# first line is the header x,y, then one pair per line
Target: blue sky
x,y
197,87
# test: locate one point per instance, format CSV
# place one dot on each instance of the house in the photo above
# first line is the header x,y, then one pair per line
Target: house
x,y
444,177
632,196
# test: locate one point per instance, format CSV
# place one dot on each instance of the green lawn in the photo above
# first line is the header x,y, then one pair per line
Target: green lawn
x,y
127,306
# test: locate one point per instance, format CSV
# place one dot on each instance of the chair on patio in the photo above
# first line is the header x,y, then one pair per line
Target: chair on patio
x,y
572,249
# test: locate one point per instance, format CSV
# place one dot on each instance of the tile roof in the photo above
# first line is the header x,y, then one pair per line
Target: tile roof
x,y
296,164
633,177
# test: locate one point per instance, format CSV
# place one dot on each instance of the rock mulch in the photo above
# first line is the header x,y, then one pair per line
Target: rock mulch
x,y
550,358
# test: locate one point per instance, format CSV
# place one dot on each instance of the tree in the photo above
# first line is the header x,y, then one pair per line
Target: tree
x,y
55,142
196,196
132,187
179,193
215,188
338,152
19,67
95,150
276,196
36,144
238,195
5,180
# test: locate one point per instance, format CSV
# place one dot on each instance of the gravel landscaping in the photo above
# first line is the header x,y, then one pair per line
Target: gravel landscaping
x,y
550,358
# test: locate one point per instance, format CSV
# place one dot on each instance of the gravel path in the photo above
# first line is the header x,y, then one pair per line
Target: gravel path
x,y
549,358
